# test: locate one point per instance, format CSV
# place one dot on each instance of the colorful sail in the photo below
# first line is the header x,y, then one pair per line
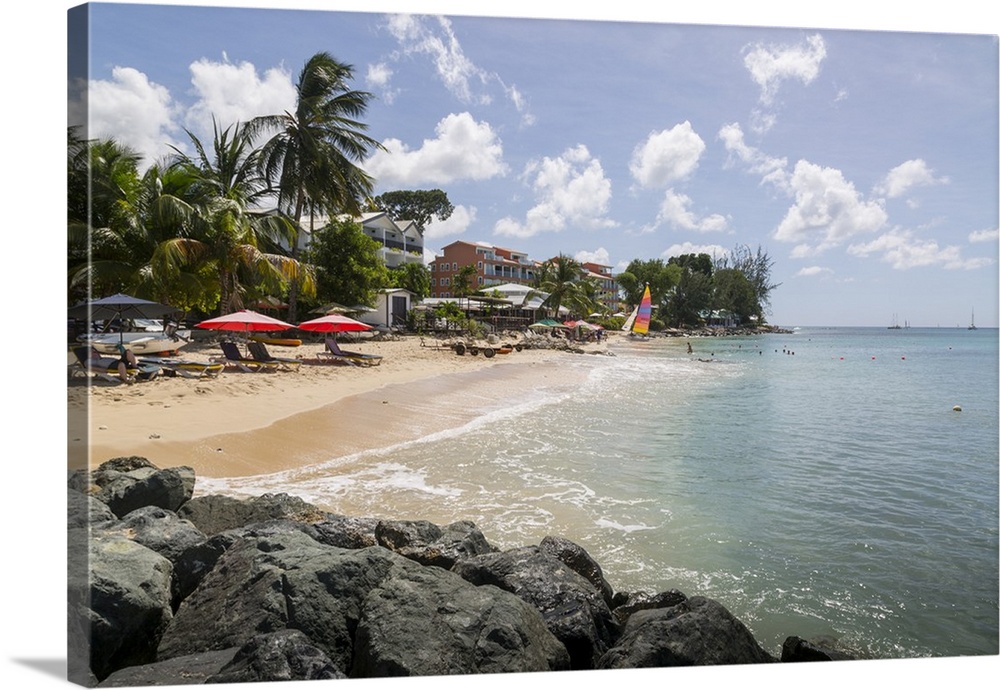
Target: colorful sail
x,y
641,325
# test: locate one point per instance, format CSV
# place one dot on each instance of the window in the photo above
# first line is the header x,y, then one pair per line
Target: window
x,y
454,265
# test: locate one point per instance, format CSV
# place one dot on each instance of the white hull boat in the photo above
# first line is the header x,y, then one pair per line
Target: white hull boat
x,y
151,337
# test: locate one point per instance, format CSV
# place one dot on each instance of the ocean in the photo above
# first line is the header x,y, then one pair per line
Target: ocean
x,y
818,483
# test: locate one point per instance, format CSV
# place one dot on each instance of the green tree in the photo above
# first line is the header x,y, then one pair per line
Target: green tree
x,y
414,277
691,295
225,235
733,292
661,278
756,265
702,263
311,160
349,269
420,206
561,279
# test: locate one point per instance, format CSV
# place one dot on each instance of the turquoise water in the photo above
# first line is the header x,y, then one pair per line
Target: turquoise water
x,y
816,483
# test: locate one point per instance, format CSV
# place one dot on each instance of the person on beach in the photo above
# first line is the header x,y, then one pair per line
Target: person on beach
x,y
126,360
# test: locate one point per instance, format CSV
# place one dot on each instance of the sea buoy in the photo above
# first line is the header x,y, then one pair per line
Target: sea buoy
x,y
957,408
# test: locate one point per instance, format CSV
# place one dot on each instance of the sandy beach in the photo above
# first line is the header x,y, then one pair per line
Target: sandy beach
x,y
244,423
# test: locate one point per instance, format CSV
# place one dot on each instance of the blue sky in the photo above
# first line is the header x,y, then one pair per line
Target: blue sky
x,y
863,161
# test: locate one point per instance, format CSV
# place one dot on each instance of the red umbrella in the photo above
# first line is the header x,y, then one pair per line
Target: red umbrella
x,y
334,323
244,320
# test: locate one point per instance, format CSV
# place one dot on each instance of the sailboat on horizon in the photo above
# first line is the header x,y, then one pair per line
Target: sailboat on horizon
x,y
972,324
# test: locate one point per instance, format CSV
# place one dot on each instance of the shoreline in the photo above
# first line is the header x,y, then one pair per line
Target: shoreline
x,y
241,424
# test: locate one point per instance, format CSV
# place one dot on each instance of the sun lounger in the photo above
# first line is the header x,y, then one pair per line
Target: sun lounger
x,y
106,368
231,357
334,352
259,353
183,367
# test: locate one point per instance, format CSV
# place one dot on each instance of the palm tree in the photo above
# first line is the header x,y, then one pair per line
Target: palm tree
x,y
560,278
311,159
226,237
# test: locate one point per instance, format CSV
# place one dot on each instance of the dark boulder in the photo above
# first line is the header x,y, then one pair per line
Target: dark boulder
x,y
121,600
796,649
215,513
577,559
126,484
281,655
161,530
264,584
83,510
194,669
697,631
347,532
627,604
572,608
428,544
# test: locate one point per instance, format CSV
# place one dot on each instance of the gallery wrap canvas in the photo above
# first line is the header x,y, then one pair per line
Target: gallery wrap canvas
x,y
355,388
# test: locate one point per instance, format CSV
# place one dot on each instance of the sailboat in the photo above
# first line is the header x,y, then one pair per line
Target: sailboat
x,y
972,324
638,321
895,324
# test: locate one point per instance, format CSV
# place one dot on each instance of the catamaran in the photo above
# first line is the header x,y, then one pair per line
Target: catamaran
x,y
638,321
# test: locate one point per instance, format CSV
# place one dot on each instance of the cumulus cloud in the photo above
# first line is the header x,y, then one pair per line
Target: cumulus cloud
x,y
236,93
134,111
713,250
667,156
912,173
598,256
771,66
463,149
570,190
457,223
434,38
675,210
827,209
772,170
379,79
813,271
984,235
902,250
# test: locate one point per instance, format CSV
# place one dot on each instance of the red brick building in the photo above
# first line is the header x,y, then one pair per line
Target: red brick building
x,y
494,266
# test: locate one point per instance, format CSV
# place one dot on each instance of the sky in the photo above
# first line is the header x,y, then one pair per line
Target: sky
x,y
863,162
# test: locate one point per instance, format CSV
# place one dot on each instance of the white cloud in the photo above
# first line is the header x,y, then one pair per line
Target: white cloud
x,y
598,256
827,210
903,177
134,111
571,190
462,150
675,210
771,66
667,156
713,250
984,235
901,250
457,223
813,271
236,93
772,170
378,78
466,81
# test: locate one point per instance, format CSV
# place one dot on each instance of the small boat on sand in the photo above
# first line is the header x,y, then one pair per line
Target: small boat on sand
x,y
144,337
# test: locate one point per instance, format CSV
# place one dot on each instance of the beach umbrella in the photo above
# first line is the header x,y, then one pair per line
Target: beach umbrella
x,y
334,323
244,320
120,307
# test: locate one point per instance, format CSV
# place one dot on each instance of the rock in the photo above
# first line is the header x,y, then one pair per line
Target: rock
x,y
347,532
121,598
281,655
83,511
126,484
161,530
796,649
428,544
697,631
429,622
576,558
572,608
214,514
289,581
626,605
194,669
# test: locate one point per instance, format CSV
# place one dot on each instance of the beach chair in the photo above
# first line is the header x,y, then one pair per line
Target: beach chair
x,y
334,352
258,351
106,368
184,367
231,357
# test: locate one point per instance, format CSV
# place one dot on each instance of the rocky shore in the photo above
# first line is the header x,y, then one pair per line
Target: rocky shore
x,y
168,589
